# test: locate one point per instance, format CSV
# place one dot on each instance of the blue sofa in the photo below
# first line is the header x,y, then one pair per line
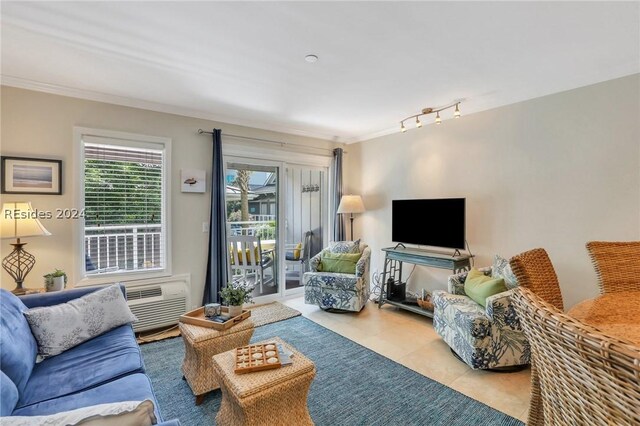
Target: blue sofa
x,y
108,368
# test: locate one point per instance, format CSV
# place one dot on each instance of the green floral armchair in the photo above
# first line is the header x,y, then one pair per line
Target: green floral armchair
x,y
329,290
484,338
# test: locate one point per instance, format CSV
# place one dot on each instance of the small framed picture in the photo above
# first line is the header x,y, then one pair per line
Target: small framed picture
x,y
193,180
31,176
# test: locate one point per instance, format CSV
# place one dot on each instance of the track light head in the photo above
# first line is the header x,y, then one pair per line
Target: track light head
x,y
438,119
456,113
402,128
418,123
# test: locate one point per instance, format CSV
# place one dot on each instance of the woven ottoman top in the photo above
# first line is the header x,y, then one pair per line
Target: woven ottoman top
x,y
199,334
243,385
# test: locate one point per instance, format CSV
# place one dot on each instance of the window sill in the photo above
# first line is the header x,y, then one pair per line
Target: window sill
x,y
121,277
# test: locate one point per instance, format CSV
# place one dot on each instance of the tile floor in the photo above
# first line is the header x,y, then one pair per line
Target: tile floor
x,y
410,340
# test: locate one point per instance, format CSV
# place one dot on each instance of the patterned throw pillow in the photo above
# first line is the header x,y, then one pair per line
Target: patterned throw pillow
x,y
345,246
61,327
502,269
116,414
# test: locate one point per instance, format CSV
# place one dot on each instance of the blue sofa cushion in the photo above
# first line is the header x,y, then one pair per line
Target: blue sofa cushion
x,y
18,347
9,395
134,387
92,363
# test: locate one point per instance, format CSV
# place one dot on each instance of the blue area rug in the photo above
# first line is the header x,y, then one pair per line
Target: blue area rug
x,y
353,385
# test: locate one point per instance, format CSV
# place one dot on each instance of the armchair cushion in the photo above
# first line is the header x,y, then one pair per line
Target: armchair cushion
x,y
502,269
455,283
345,246
339,262
478,286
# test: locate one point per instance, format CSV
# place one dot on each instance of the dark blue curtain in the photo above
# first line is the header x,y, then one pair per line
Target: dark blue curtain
x,y
338,220
217,259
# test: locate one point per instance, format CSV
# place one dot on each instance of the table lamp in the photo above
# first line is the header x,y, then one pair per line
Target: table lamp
x,y
19,220
351,204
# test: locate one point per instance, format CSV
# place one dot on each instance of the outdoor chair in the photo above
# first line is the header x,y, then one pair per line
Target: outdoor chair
x,y
247,258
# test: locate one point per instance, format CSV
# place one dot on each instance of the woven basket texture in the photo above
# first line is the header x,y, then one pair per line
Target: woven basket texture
x,y
201,343
583,376
533,269
274,397
617,265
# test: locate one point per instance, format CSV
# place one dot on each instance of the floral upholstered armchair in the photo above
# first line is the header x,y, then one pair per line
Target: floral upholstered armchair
x,y
330,290
484,338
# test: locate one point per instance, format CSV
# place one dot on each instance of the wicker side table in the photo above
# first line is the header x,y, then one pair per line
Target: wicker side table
x,y
200,344
270,397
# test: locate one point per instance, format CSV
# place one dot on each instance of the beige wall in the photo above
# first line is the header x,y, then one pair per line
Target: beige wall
x,y
35,124
552,172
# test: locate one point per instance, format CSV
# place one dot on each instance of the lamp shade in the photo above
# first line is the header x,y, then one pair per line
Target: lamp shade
x,y
351,204
20,220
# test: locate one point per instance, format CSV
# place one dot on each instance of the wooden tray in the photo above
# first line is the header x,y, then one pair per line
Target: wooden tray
x,y
257,358
196,317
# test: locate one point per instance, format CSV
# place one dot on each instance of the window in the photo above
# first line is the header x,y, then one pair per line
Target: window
x,y
125,198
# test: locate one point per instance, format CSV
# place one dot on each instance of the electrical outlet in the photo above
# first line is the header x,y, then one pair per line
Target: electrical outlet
x,y
205,227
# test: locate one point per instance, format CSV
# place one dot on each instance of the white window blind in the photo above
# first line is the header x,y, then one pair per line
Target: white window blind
x,y
123,199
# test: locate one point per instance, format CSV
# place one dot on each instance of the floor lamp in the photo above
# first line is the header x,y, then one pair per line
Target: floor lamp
x,y
19,220
351,204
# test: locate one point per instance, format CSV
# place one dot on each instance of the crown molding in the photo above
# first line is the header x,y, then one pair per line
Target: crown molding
x,y
55,89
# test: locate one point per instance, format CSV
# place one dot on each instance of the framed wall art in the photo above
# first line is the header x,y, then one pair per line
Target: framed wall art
x,y
21,175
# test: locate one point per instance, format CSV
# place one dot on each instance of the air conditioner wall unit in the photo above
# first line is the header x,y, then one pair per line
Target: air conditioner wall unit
x,y
159,304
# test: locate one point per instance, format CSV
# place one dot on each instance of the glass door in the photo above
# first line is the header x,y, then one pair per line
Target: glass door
x,y
252,198
306,224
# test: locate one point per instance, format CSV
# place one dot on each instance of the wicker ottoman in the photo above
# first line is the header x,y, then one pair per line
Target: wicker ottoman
x,y
270,397
200,344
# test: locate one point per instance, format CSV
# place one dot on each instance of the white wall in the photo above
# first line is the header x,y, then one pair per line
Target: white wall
x,y
553,172
35,124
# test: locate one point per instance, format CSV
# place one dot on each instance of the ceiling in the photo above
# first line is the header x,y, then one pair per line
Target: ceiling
x,y
243,62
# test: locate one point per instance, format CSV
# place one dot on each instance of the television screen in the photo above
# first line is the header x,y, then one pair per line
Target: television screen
x,y
436,222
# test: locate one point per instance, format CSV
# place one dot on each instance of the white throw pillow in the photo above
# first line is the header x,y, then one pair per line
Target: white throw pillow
x,y
120,413
61,327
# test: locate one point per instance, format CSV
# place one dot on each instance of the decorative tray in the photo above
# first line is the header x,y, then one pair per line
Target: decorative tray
x,y
196,317
257,357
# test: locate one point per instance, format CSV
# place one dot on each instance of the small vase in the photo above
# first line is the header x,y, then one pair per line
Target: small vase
x,y
58,283
234,310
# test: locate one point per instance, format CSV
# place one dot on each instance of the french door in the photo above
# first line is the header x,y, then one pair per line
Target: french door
x,y
285,207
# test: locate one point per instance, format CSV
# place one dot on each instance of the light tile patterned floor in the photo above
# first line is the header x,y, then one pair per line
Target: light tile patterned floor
x,y
410,340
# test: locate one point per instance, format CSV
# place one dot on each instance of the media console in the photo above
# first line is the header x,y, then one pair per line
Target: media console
x,y
396,256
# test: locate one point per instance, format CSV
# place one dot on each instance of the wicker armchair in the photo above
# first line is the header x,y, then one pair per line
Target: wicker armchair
x,y
585,377
534,270
617,265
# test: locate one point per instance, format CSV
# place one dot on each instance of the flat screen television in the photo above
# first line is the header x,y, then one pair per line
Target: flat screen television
x,y
434,222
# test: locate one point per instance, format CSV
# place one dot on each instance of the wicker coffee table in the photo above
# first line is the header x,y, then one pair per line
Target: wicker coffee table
x,y
270,397
200,344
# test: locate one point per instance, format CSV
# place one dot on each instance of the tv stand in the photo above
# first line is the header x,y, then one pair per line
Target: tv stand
x,y
392,272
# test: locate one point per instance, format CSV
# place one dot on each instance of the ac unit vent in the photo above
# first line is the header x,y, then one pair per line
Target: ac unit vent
x,y
144,293
158,305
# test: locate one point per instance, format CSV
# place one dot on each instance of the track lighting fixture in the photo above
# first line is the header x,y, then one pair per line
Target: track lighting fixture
x,y
435,110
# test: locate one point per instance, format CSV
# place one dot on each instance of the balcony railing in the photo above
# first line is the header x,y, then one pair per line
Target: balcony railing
x,y
123,248
264,229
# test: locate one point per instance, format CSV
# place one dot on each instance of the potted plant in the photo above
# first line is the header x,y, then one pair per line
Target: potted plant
x,y
56,280
235,294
